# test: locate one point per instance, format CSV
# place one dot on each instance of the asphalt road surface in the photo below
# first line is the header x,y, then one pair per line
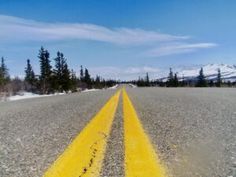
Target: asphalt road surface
x,y
34,132
192,130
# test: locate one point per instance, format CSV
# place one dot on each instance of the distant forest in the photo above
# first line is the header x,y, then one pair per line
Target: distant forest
x,y
174,81
58,77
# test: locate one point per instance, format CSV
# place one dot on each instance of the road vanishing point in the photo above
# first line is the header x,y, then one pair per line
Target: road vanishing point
x,y
127,132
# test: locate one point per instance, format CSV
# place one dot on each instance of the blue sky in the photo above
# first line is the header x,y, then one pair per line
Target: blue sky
x,y
119,38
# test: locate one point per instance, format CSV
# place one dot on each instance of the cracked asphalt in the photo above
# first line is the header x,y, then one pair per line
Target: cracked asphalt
x,y
34,132
193,130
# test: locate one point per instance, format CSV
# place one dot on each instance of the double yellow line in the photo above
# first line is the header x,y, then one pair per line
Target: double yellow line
x,y
84,156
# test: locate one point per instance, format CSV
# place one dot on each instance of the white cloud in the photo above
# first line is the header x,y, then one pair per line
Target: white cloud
x,y
13,28
178,48
153,43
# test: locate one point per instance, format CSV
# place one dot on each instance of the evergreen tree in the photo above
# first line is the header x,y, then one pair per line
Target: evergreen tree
x,y
98,82
183,82
219,80
2,73
29,75
104,83
147,82
170,82
73,81
45,70
141,82
211,83
87,78
66,82
64,79
81,73
175,80
62,73
201,82
4,76
60,63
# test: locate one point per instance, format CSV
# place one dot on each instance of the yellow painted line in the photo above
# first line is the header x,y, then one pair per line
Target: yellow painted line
x,y
84,156
140,157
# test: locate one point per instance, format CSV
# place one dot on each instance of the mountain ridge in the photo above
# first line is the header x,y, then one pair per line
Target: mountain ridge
x,y
228,72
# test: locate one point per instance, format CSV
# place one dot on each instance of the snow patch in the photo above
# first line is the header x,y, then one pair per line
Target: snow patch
x,y
113,87
132,85
28,95
93,90
90,90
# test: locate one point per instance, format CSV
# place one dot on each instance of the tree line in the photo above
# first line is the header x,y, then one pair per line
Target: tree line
x,y
60,78
174,81
51,78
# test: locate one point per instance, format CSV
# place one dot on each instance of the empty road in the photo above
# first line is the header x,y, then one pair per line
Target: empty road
x,y
179,132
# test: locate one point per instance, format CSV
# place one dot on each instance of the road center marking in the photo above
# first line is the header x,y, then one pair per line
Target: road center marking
x,y
84,156
140,157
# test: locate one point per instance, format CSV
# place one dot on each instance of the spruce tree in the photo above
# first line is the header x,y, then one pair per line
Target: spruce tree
x,y
45,70
81,73
62,73
170,82
66,82
64,79
29,75
48,67
2,72
98,82
73,81
58,71
4,76
211,83
183,82
147,82
58,65
219,80
201,82
175,80
87,78
141,82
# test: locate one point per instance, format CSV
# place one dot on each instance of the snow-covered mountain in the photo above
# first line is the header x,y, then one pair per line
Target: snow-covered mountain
x,y
228,72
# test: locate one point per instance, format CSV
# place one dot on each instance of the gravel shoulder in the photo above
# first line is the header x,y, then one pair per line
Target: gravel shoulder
x,y
35,131
193,129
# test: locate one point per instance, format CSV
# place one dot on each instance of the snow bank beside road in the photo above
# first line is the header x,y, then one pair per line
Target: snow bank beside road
x,y
132,85
113,87
90,90
27,95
